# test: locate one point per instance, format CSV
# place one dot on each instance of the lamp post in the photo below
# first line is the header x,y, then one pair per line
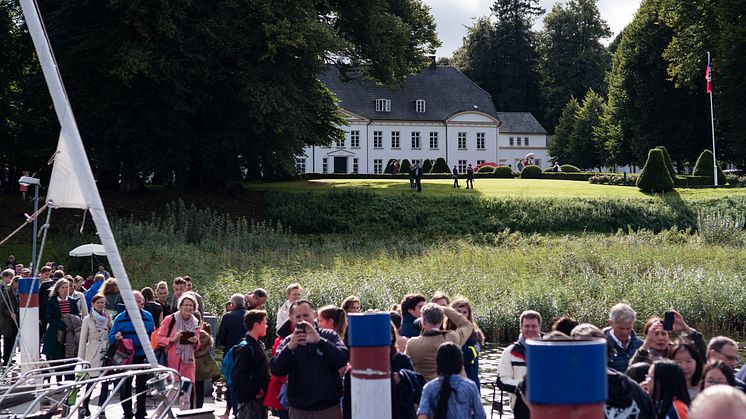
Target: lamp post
x,y
28,180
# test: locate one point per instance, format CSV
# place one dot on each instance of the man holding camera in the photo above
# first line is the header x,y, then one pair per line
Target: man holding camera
x,y
311,358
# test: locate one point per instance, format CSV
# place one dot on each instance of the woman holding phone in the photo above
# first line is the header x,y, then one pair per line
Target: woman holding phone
x,y
183,338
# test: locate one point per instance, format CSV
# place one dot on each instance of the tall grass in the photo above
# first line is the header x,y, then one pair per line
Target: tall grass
x,y
502,273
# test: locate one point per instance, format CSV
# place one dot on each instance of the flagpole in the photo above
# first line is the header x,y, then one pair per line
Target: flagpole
x,y
712,121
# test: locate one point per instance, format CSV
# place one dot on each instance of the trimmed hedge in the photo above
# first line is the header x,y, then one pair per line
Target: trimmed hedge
x,y
669,163
614,179
569,168
582,176
405,166
504,172
655,176
486,169
531,172
440,166
704,168
427,165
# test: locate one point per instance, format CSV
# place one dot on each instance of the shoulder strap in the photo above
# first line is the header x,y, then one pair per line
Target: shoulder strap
x,y
171,324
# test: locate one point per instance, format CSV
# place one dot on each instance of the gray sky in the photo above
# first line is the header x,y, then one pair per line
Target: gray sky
x,y
452,17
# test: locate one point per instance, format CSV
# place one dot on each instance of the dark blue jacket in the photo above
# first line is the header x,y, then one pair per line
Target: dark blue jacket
x,y
123,323
232,328
407,326
313,371
619,360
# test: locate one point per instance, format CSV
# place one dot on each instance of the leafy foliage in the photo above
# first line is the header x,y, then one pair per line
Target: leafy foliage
x,y
655,176
585,148
569,168
667,159
531,172
503,172
405,166
427,166
486,169
559,147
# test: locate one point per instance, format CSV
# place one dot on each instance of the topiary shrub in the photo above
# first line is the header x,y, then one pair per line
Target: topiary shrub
x,y
405,166
388,166
669,163
569,168
427,165
531,172
440,166
503,172
704,167
486,169
654,176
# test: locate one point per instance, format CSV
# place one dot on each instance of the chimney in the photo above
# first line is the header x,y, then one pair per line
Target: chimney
x,y
433,64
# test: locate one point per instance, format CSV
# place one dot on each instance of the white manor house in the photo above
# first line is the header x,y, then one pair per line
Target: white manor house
x,y
438,113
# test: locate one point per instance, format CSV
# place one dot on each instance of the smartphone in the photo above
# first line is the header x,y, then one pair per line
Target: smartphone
x,y
301,327
668,321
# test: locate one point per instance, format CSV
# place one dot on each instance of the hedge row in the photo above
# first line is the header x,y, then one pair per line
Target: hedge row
x,y
501,172
359,211
682,181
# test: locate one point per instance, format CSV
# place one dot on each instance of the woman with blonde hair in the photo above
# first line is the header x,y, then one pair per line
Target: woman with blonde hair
x,y
182,340
473,345
94,340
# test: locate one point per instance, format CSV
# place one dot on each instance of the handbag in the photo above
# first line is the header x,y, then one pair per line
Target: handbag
x,y
206,368
121,352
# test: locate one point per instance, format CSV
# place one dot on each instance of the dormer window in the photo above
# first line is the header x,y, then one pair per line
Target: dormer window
x,y
383,105
420,105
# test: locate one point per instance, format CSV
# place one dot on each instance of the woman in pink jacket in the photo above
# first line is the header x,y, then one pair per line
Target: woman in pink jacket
x,y
183,338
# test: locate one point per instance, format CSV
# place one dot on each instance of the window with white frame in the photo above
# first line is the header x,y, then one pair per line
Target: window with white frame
x,y
420,105
377,139
462,166
339,142
525,141
377,166
462,141
416,161
325,165
395,137
300,166
518,141
480,162
355,165
433,140
480,141
383,105
415,140
355,139
510,141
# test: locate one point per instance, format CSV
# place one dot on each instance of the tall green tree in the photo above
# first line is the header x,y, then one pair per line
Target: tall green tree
x,y
573,59
586,149
500,55
559,147
645,103
216,91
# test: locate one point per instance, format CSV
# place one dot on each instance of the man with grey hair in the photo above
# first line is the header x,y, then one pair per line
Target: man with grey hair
x,y
423,349
719,402
625,399
621,336
256,300
231,331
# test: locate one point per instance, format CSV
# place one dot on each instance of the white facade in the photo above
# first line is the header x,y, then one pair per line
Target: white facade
x,y
469,137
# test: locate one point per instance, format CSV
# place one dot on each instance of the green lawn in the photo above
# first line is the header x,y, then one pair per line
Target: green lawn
x,y
495,188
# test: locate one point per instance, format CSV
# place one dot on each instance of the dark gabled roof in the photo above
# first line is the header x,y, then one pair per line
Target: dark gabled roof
x,y
520,122
445,90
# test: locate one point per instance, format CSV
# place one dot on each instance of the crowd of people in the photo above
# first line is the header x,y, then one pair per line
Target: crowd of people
x,y
434,351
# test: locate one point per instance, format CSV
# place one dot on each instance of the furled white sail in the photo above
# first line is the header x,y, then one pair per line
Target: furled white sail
x,y
72,184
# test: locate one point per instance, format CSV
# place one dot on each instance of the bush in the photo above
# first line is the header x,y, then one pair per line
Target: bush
x,y
582,176
654,176
717,227
704,168
531,172
569,168
669,163
486,169
387,170
405,166
427,165
614,179
503,172
440,166
736,180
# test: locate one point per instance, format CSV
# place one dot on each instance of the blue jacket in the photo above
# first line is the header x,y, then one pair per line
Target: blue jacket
x,y
232,329
620,359
407,326
463,403
313,371
123,323
92,291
